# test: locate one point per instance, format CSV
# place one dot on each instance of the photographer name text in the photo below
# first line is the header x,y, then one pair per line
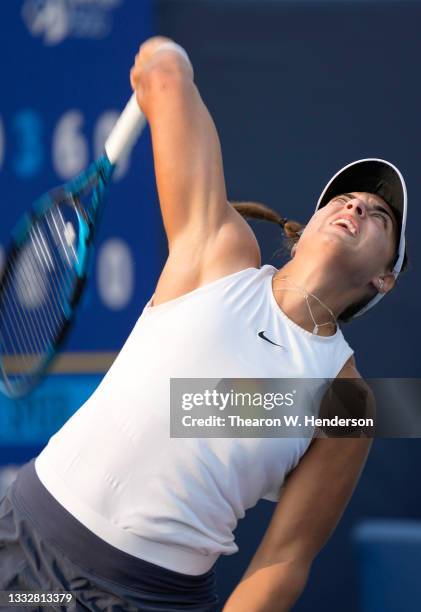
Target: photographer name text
x,y
235,420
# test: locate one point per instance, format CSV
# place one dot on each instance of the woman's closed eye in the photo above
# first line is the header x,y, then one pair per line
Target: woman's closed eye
x,y
382,217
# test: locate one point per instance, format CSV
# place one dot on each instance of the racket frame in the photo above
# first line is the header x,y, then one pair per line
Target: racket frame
x,y
121,140
97,176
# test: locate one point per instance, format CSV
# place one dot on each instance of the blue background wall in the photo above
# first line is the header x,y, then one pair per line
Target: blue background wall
x,y
297,89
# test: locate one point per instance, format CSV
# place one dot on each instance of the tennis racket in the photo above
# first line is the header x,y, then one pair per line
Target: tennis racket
x,y
47,263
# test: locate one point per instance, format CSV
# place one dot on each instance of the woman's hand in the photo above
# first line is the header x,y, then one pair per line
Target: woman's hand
x,y
147,55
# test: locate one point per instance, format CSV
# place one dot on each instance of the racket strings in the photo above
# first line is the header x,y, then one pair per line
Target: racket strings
x,y
62,278
40,283
16,319
29,330
63,234
38,287
17,325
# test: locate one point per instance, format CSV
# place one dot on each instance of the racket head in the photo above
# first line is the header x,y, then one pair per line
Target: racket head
x,y
44,277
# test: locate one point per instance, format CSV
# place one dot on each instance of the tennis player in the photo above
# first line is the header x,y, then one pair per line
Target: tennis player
x,y
128,518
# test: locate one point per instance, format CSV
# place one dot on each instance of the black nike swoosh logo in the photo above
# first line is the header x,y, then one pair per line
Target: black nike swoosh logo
x,y
263,337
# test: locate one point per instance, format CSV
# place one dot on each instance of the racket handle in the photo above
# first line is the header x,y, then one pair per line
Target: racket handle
x,y
125,132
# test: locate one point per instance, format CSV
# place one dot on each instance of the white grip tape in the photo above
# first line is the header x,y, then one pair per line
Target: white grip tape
x,y
125,132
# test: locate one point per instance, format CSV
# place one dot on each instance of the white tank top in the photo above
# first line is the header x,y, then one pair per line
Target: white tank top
x,y
176,501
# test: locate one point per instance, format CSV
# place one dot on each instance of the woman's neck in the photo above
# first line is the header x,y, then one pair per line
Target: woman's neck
x,y
291,284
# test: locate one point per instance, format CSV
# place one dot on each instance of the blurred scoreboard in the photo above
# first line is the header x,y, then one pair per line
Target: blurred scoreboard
x,y
64,79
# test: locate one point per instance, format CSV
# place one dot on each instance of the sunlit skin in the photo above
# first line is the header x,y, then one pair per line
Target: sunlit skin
x,y
336,266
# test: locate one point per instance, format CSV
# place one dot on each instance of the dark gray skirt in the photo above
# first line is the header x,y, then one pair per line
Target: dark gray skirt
x,y
44,548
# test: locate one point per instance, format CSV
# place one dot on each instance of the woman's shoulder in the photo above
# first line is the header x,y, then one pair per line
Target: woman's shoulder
x,y
349,396
349,369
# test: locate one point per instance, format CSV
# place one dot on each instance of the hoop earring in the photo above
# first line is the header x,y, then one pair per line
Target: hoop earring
x,y
381,284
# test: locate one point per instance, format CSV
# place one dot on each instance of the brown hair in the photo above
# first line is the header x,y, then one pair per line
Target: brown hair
x,y
293,230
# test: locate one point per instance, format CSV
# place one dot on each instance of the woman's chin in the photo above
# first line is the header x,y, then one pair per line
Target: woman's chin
x,y
333,243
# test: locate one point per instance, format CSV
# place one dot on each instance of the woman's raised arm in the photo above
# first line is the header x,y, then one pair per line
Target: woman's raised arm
x,y
207,238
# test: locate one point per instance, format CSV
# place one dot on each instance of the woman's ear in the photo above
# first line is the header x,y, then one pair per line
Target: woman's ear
x,y
385,282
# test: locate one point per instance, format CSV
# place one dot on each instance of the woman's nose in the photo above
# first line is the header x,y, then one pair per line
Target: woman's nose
x,y
356,205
